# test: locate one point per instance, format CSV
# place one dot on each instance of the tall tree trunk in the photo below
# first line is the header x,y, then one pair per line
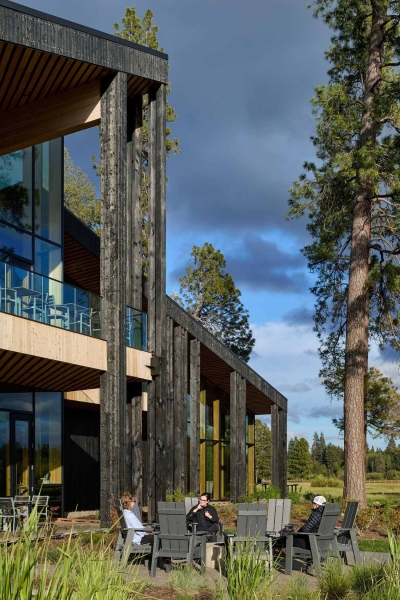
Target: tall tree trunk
x,y
356,356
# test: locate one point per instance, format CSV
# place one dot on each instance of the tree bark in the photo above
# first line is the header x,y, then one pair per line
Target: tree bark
x,y
356,352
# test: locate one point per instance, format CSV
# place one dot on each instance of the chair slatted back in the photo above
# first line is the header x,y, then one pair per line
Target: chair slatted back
x,y
121,516
278,515
350,515
7,506
326,527
172,519
41,500
190,503
252,520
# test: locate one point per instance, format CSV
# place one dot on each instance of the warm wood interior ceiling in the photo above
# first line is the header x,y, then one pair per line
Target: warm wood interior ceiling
x,y
81,267
27,75
41,373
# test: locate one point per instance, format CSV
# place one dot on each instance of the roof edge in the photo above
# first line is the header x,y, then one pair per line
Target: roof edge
x,y
83,28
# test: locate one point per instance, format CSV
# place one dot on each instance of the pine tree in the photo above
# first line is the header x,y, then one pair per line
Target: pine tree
x,y
262,450
299,458
80,194
210,295
352,200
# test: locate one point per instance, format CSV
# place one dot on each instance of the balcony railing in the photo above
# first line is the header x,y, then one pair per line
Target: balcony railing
x,y
49,301
136,329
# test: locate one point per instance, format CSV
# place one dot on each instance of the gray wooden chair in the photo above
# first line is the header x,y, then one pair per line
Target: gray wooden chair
x,y
346,534
323,544
174,541
124,547
278,518
8,513
192,503
251,525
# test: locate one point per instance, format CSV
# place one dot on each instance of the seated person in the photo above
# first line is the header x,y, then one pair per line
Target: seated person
x,y
205,516
312,524
132,522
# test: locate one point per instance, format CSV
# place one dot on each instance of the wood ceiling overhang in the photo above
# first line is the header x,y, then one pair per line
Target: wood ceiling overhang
x,y
217,361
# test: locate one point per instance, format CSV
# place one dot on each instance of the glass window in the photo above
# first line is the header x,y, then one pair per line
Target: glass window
x,y
15,242
48,437
16,188
19,401
48,259
48,192
5,474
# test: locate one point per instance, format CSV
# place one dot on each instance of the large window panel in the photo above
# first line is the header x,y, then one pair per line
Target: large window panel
x,y
48,190
17,401
48,259
5,479
14,243
48,407
16,188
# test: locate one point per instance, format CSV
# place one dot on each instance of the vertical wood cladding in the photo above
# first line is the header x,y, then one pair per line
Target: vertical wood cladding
x,y
158,461
278,448
195,416
238,435
134,205
81,460
169,417
234,392
113,286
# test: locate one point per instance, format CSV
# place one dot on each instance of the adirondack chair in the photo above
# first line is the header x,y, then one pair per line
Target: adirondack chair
x,y
192,503
346,534
277,519
322,544
251,525
124,547
174,540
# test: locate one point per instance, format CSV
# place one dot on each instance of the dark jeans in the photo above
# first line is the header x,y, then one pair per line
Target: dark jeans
x,y
299,541
147,539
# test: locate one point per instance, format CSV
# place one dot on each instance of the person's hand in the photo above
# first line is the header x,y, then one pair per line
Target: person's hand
x,y
199,507
207,514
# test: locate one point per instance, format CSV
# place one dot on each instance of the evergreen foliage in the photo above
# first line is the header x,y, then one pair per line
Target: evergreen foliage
x,y
80,194
262,449
210,295
351,197
299,458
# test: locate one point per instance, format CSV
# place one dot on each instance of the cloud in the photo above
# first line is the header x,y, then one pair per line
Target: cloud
x,y
331,410
295,388
299,316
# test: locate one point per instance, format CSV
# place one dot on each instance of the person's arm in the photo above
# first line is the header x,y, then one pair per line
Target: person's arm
x,y
192,512
312,524
132,522
211,515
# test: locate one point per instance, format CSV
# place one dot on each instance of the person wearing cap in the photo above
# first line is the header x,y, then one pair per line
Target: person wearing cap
x,y
312,524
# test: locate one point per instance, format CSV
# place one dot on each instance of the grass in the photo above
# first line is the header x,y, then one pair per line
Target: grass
x,y
374,545
375,491
186,580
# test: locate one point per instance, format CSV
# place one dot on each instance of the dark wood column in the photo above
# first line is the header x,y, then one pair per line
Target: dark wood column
x,y
194,484
169,417
279,448
113,286
158,461
180,408
237,436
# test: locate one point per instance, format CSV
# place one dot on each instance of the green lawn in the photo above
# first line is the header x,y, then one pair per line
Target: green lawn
x,y
373,545
375,491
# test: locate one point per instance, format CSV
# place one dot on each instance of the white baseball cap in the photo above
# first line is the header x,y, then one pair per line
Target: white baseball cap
x,y
320,500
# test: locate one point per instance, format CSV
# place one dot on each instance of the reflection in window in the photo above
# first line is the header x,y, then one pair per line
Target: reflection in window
x,y
19,401
48,193
48,437
48,259
14,242
5,454
16,188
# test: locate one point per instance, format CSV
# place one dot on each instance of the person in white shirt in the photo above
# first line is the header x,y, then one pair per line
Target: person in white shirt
x,y
132,522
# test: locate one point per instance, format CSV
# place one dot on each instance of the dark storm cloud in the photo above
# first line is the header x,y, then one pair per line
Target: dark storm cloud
x,y
299,316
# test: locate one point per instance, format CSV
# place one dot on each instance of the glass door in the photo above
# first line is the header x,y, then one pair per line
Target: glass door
x,y
21,455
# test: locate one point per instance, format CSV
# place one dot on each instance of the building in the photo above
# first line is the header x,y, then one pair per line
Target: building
x,y
105,383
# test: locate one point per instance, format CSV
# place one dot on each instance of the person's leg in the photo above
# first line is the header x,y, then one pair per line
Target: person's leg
x,y
147,539
300,542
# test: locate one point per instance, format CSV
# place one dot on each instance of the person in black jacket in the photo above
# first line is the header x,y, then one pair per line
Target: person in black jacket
x,y
312,524
205,516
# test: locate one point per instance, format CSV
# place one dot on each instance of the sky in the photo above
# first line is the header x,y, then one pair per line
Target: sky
x,y
242,75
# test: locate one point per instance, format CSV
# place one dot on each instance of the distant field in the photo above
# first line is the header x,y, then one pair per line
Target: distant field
x,y
375,491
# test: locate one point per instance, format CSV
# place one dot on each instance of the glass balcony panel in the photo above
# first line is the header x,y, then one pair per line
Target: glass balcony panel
x,y
33,296
136,329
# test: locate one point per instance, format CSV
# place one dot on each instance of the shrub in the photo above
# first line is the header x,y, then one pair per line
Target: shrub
x,y
185,579
294,497
271,492
178,496
322,482
246,572
392,474
333,581
374,476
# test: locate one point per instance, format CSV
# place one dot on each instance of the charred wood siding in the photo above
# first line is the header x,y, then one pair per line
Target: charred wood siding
x,y
279,448
195,416
112,266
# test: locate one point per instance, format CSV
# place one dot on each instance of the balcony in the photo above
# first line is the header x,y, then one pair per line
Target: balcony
x,y
45,300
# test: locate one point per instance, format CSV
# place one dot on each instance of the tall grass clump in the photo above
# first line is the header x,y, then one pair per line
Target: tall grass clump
x,y
333,581
185,579
297,589
79,572
246,571
366,577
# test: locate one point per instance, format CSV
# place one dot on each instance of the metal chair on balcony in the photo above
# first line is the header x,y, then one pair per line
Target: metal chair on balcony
x,y
9,301
58,313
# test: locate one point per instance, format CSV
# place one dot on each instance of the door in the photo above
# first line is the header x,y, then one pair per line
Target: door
x,y
21,455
